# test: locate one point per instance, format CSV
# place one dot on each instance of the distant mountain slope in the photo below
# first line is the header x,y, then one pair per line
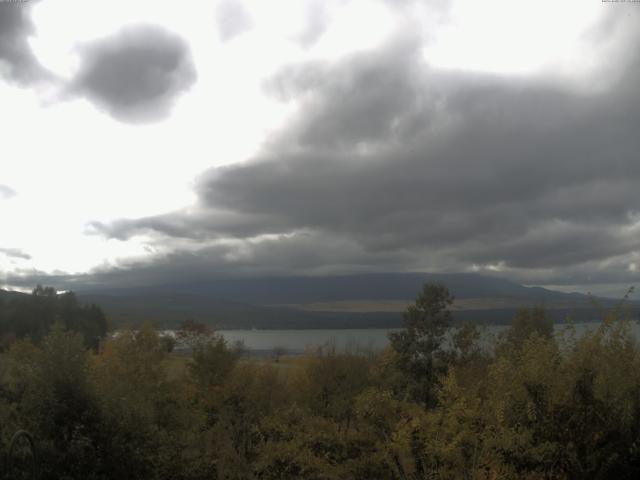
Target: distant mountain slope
x,y
7,295
349,301
380,286
167,310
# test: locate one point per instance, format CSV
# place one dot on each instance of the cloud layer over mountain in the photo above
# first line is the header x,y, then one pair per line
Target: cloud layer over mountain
x,y
406,167
385,162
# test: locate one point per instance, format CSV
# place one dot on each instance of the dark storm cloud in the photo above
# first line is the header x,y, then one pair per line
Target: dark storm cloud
x,y
6,192
558,244
15,253
369,98
135,74
417,169
301,252
201,224
232,19
17,61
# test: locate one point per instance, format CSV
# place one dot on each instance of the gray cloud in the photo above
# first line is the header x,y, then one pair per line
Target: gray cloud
x,y
393,166
15,253
232,19
317,23
278,255
6,192
17,61
136,74
201,224
368,99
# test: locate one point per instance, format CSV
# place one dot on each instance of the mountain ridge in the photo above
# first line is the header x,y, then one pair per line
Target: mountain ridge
x,y
339,301
380,286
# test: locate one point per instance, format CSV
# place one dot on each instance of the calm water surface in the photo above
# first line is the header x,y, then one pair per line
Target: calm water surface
x,y
299,341
374,339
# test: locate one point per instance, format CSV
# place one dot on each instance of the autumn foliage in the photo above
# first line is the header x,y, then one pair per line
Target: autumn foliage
x,y
442,402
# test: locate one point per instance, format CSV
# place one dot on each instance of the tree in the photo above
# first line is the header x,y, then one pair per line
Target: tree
x,y
527,322
212,361
34,315
418,346
278,352
466,343
51,391
193,334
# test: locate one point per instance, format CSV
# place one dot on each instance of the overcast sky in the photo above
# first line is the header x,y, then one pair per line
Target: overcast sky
x,y
153,141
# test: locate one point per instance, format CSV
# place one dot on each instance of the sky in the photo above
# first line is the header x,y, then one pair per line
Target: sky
x,y
157,141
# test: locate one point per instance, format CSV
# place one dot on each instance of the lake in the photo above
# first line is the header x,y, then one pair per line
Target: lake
x,y
264,342
299,341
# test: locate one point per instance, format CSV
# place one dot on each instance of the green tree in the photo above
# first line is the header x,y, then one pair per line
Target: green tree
x,y
32,316
419,346
53,397
150,424
527,322
212,361
329,382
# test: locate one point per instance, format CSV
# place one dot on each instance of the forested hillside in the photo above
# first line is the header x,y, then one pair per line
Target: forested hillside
x,y
32,316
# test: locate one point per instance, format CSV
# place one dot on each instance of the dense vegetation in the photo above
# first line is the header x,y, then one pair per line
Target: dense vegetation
x,y
33,316
439,403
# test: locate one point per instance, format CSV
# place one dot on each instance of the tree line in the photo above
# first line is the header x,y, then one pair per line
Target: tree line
x,y
32,316
439,403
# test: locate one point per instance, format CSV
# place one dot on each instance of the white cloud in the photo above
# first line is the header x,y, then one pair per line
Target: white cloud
x,y
514,36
